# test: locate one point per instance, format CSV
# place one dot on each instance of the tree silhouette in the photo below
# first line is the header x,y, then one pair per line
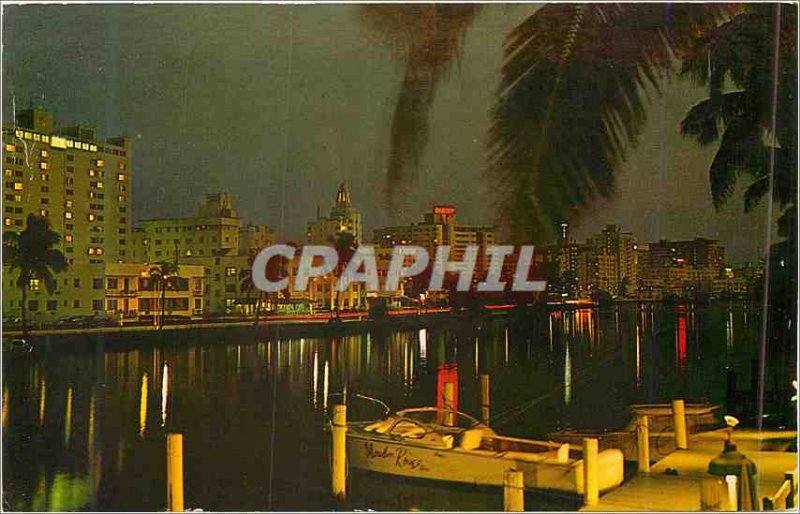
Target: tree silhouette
x,y
31,252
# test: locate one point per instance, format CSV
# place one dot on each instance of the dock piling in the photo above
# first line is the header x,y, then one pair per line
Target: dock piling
x,y
485,399
710,493
679,422
175,473
513,491
643,443
339,458
591,491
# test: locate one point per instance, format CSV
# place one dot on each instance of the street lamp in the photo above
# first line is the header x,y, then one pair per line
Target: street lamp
x,y
736,470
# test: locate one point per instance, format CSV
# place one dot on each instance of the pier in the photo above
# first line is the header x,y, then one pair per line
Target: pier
x,y
680,488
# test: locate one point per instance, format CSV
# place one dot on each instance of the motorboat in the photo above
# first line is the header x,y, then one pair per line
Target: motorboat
x,y
446,445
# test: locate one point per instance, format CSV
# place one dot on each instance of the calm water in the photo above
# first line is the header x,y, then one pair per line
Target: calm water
x,y
85,430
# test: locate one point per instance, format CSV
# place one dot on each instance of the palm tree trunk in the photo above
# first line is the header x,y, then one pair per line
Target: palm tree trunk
x,y
258,308
163,303
24,310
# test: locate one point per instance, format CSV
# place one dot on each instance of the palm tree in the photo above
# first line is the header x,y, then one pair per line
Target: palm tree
x,y
345,246
161,273
31,251
740,120
574,92
274,271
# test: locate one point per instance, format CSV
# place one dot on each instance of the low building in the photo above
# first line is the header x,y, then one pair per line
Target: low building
x,y
134,291
214,239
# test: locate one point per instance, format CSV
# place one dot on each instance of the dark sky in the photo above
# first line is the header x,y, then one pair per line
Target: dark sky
x,y
278,104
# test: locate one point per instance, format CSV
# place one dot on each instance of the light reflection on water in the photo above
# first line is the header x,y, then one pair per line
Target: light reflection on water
x,y
86,430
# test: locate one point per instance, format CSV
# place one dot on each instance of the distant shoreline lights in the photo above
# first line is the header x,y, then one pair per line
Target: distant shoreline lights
x,y
407,261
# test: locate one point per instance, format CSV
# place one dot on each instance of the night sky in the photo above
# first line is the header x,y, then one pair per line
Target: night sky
x,y
278,104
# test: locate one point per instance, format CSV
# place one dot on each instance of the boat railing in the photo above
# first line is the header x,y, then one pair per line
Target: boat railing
x,y
414,410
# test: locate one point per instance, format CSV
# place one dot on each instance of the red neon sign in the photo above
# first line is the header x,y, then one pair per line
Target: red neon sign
x,y
444,209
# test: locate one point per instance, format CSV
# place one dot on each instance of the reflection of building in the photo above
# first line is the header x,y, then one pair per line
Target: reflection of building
x,y
81,184
131,291
214,239
343,219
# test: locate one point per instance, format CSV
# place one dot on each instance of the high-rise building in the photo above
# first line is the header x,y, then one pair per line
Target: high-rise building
x,y
82,185
343,218
440,228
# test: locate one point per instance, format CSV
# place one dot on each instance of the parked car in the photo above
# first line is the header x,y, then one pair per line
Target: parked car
x,y
16,346
12,322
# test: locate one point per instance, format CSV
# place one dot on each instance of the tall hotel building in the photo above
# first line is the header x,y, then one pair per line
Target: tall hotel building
x,y
82,185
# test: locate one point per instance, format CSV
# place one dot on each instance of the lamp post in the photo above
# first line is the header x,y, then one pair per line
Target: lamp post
x,y
737,471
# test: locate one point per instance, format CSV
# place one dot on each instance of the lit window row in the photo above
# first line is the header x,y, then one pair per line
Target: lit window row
x,y
24,134
95,250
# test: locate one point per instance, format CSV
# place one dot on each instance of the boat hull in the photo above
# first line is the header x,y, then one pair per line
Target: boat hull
x,y
477,467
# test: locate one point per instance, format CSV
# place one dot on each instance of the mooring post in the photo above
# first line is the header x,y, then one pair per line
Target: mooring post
x,y
485,399
643,443
591,491
339,458
513,491
679,422
175,472
710,493
449,404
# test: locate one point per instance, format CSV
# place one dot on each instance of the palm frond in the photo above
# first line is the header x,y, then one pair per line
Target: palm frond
x,y
572,101
428,37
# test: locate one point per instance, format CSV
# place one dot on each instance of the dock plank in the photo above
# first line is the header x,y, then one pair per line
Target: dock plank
x,y
665,492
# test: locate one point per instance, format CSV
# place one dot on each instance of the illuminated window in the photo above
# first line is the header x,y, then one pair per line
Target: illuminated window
x,y
43,153
93,148
45,177
123,166
34,284
17,198
8,172
18,186
121,177
58,142
11,148
92,173
27,135
45,139
37,137
68,204
91,250
230,271
42,212
91,194
68,215
18,133
99,251
8,222
100,163
121,198
68,238
44,165
85,146
70,144
91,216
99,185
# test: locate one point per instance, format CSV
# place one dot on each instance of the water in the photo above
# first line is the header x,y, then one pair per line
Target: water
x,y
86,429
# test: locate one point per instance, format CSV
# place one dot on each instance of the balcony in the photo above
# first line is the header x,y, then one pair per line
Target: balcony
x,y
124,293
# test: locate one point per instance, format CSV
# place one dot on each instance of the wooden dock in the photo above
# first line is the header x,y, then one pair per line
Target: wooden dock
x,y
659,491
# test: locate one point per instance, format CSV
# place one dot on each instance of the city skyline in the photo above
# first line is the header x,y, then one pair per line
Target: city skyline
x,y
195,137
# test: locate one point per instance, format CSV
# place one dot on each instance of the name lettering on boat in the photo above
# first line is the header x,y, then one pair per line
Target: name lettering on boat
x,y
401,458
